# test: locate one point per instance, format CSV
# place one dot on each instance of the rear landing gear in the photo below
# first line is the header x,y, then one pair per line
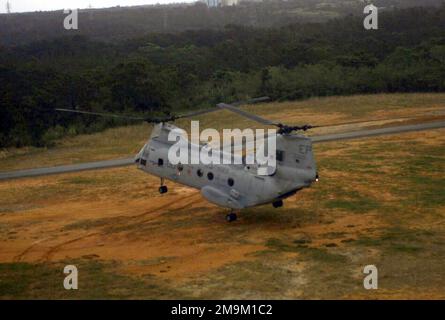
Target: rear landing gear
x,y
163,189
231,217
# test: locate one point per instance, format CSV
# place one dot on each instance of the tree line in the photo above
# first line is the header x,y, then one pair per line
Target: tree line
x,y
175,72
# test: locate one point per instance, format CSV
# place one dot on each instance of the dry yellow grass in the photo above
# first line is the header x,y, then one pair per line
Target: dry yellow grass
x,y
125,142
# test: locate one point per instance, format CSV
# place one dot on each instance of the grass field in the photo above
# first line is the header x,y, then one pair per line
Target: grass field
x,y
125,142
380,201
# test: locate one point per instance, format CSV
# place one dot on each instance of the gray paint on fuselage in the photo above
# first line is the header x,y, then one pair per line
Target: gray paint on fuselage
x,y
249,189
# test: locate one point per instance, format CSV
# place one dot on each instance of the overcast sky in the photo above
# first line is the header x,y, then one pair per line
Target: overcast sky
x,y
36,5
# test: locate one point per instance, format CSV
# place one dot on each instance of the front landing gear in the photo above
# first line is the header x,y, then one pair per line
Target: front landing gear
x,y
231,217
163,189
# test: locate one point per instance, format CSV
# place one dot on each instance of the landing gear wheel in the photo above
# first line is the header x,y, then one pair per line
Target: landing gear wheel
x,y
163,189
278,204
231,217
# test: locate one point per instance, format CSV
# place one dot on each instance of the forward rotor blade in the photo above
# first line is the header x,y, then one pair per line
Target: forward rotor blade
x,y
196,113
246,114
101,114
159,119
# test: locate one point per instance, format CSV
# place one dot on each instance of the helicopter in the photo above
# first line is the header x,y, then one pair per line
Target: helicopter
x,y
232,186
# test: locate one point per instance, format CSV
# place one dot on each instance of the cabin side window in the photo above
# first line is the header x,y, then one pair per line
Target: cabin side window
x,y
160,162
280,155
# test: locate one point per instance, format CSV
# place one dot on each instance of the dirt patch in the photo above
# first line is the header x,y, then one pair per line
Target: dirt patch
x,y
343,230
193,261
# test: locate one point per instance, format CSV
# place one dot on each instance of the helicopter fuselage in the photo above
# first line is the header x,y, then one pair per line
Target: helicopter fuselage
x,y
234,186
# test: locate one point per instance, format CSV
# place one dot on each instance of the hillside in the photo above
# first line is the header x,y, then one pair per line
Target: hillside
x,y
120,23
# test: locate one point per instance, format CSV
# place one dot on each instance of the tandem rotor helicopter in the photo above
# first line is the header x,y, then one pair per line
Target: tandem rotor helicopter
x,y
233,186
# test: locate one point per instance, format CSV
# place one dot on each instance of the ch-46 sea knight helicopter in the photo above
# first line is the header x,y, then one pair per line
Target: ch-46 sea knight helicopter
x,y
233,186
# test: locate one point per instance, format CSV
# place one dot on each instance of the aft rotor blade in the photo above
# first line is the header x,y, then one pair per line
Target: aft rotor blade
x,y
101,114
366,133
246,114
361,121
201,112
251,101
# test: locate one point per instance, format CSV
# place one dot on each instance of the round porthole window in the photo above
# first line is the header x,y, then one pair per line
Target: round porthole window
x,y
210,176
230,182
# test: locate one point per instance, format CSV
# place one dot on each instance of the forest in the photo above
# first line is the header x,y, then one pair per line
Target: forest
x,y
176,71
